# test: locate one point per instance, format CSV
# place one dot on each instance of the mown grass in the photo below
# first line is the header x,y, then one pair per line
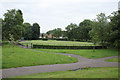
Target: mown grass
x,y
60,43
113,59
87,53
106,72
18,57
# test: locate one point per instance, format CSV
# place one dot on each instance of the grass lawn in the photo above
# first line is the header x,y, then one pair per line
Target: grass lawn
x,y
107,72
87,53
54,42
113,59
18,57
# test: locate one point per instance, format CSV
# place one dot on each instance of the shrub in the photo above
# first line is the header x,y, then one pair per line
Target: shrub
x,y
66,47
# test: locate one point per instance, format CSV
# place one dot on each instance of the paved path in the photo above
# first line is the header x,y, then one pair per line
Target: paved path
x,y
82,63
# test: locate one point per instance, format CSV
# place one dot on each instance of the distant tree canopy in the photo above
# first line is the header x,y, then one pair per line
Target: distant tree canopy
x,y
103,30
80,31
13,24
36,31
55,32
100,29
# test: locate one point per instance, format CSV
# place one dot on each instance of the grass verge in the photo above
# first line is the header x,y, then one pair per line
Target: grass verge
x,y
105,72
19,57
113,59
87,53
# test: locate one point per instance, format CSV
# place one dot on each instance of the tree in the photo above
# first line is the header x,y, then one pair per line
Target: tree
x,y
84,28
99,29
114,34
70,31
55,32
36,31
42,35
12,41
28,31
12,22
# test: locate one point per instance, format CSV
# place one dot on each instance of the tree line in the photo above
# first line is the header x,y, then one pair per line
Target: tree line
x,y
12,24
103,30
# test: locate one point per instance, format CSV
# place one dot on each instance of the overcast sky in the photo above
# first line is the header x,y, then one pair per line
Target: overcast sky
x,y
50,14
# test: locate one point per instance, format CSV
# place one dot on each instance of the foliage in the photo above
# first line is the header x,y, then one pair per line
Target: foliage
x,y
99,29
82,31
65,47
55,32
70,30
12,22
12,41
28,31
36,31
31,32
114,34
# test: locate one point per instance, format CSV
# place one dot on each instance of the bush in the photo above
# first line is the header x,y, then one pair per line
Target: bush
x,y
66,47
44,39
62,39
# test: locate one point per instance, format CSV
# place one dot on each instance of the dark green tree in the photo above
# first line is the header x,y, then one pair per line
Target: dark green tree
x,y
70,29
99,29
12,22
28,31
114,29
84,28
55,32
36,31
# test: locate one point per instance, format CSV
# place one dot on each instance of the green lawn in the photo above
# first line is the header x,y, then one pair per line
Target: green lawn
x,y
54,42
87,53
18,57
107,72
113,59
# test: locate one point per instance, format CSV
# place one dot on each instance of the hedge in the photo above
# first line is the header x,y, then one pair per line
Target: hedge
x,y
67,47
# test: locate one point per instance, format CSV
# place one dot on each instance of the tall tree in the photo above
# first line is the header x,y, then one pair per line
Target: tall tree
x,y
55,32
70,31
36,31
114,34
83,29
99,29
28,31
12,22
